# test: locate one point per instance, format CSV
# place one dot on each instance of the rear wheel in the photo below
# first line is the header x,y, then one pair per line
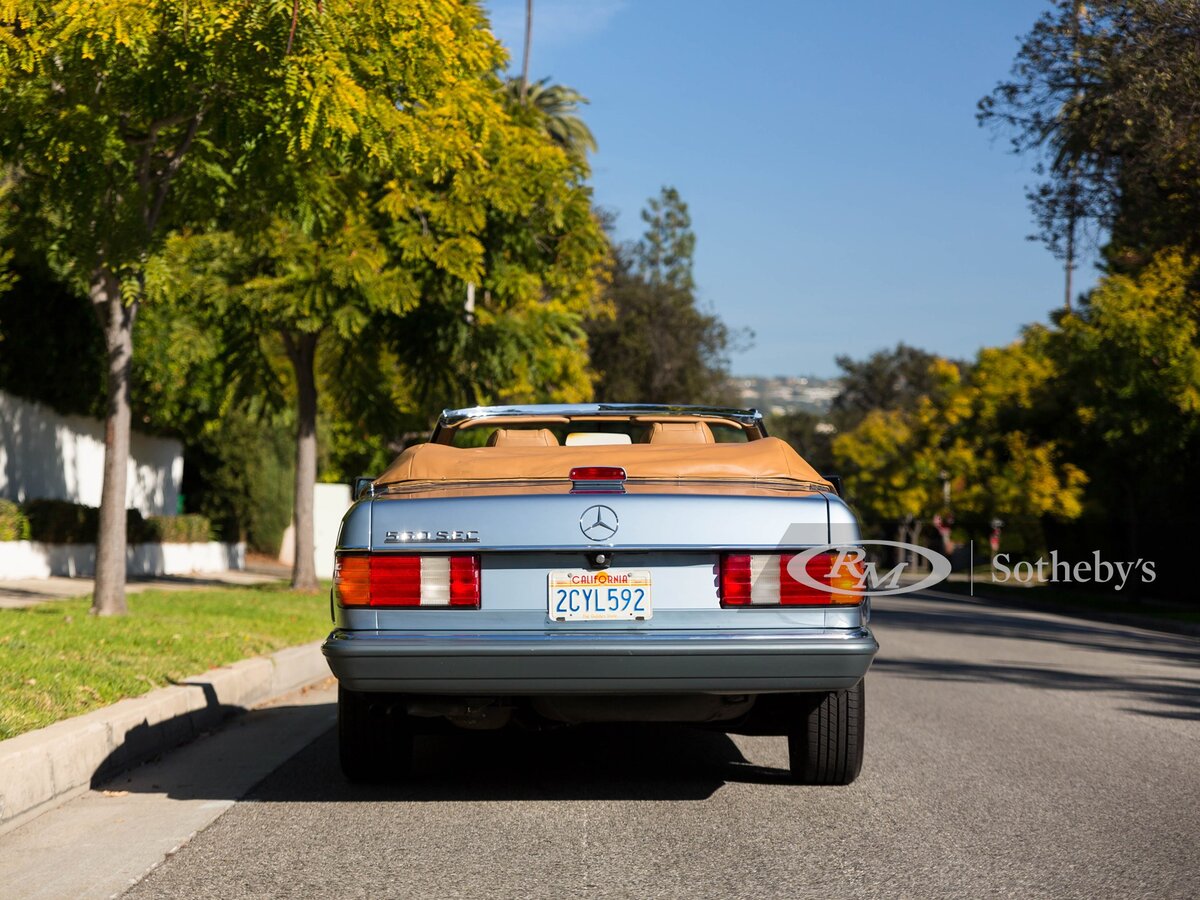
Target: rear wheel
x,y
375,737
825,745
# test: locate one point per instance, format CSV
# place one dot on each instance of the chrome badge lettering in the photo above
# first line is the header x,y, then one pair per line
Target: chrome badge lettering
x,y
431,537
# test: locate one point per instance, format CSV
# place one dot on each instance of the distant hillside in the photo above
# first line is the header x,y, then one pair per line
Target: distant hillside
x,y
782,394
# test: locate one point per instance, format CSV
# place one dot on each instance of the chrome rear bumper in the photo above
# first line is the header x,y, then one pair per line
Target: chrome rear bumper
x,y
560,662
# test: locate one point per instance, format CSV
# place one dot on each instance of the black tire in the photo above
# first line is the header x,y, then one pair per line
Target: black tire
x,y
826,743
375,738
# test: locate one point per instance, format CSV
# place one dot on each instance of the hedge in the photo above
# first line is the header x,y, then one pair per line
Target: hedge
x,y
187,529
14,526
63,522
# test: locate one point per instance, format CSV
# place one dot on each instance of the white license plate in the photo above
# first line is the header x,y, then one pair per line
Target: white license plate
x,y
606,594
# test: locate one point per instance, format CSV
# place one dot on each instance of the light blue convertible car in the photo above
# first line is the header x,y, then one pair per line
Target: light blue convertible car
x,y
600,563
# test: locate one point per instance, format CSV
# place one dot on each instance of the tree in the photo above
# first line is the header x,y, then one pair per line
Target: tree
x,y
664,254
959,450
1104,95
543,252
294,285
657,345
557,107
6,276
887,379
122,122
528,47
1130,362
372,275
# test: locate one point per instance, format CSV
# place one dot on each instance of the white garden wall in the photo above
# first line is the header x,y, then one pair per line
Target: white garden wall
x,y
330,502
44,454
32,559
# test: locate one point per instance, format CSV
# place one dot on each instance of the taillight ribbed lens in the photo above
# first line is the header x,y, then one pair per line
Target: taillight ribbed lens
x,y
396,580
464,581
735,579
351,580
754,579
408,581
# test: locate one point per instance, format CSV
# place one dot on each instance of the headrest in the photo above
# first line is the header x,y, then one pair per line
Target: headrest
x,y
681,433
595,438
522,437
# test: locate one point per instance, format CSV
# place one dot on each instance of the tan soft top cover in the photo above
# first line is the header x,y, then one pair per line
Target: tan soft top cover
x,y
767,458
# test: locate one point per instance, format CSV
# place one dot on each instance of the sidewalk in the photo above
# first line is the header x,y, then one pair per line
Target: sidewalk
x,y
20,593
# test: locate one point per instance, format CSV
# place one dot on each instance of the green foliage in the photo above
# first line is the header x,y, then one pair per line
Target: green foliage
x,y
64,522
7,278
664,254
556,107
543,252
658,346
14,526
1103,94
1129,362
61,662
1132,357
186,529
959,451
45,328
208,104
887,379
238,474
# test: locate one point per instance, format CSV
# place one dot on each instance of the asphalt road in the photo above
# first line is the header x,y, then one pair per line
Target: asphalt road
x,y
1009,754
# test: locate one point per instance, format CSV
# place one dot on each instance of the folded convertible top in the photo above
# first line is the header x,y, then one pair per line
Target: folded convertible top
x,y
764,459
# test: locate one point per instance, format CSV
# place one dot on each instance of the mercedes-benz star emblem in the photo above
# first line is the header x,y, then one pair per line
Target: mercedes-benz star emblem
x,y
598,523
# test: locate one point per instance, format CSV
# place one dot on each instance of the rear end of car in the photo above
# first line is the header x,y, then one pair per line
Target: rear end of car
x,y
597,596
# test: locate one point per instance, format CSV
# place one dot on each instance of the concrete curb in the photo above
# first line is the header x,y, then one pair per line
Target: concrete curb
x,y
48,766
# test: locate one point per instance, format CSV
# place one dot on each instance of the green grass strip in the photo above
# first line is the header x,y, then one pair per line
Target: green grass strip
x,y
58,661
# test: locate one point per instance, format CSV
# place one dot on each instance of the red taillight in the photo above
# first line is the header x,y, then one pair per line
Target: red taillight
x,y
597,473
597,480
464,581
764,580
735,579
395,580
408,581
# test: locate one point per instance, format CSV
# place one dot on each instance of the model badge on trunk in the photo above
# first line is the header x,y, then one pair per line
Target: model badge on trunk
x,y
431,537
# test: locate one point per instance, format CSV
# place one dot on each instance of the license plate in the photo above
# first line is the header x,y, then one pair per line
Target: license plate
x,y
578,594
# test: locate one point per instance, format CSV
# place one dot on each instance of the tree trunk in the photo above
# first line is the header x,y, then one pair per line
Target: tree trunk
x,y
116,320
525,56
302,350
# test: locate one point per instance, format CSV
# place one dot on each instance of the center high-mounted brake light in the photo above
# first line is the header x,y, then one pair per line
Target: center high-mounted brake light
x,y
597,480
405,580
753,579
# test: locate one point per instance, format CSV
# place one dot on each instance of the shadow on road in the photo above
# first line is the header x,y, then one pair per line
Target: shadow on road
x,y
1176,698
611,762
978,617
1166,696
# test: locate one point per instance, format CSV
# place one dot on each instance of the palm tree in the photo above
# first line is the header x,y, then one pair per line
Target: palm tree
x,y
558,106
528,41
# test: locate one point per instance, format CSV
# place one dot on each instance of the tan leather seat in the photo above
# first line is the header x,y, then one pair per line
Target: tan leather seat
x,y
522,437
681,433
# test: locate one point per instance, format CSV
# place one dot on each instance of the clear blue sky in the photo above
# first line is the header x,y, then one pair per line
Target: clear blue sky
x,y
842,195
